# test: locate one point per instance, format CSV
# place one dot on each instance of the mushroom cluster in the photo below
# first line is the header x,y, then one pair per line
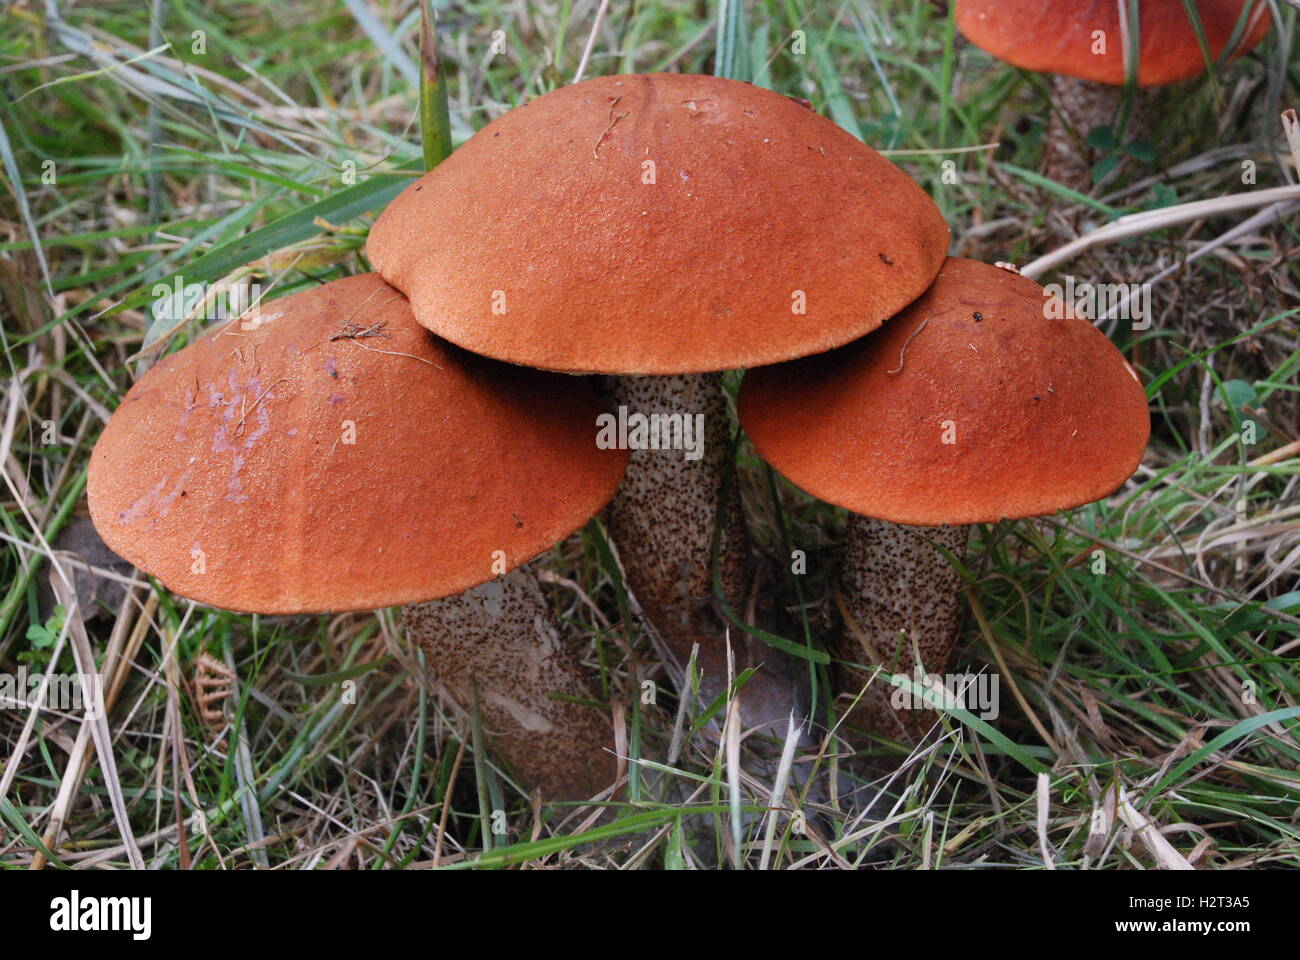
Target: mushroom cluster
x,y
660,229
410,436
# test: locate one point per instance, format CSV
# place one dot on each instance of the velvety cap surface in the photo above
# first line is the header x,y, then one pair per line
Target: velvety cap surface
x,y
1058,36
337,456
659,224
968,407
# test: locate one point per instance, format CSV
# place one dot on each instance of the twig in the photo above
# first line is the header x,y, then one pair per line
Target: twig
x,y
940,151
117,665
1149,221
591,40
99,732
613,120
354,331
731,747
1044,797
902,353
1160,848
243,417
1247,226
398,353
779,787
1273,456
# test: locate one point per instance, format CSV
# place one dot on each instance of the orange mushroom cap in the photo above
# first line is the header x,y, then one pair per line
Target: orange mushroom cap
x,y
968,407
1060,36
338,457
659,224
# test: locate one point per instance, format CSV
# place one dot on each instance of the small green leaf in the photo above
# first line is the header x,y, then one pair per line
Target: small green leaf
x,y
1102,138
39,636
44,636
1140,150
1239,394
1103,167
1162,195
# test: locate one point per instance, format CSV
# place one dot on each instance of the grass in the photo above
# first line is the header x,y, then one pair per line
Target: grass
x,y
1171,676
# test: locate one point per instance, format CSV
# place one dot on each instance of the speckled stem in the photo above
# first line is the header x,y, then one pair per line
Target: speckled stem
x,y
662,519
1079,106
898,588
497,646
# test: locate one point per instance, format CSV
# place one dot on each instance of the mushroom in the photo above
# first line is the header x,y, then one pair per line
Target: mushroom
x,y
980,401
327,453
1085,44
661,229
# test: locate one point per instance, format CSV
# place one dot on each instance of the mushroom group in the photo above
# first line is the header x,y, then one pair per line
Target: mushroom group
x,y
659,229
328,454
409,437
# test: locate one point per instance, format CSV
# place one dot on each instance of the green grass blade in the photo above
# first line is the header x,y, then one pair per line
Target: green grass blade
x,y
732,54
435,116
1233,733
16,184
292,228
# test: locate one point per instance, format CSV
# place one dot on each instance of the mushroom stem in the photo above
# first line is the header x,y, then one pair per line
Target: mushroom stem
x,y
902,593
1079,107
496,647
663,518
